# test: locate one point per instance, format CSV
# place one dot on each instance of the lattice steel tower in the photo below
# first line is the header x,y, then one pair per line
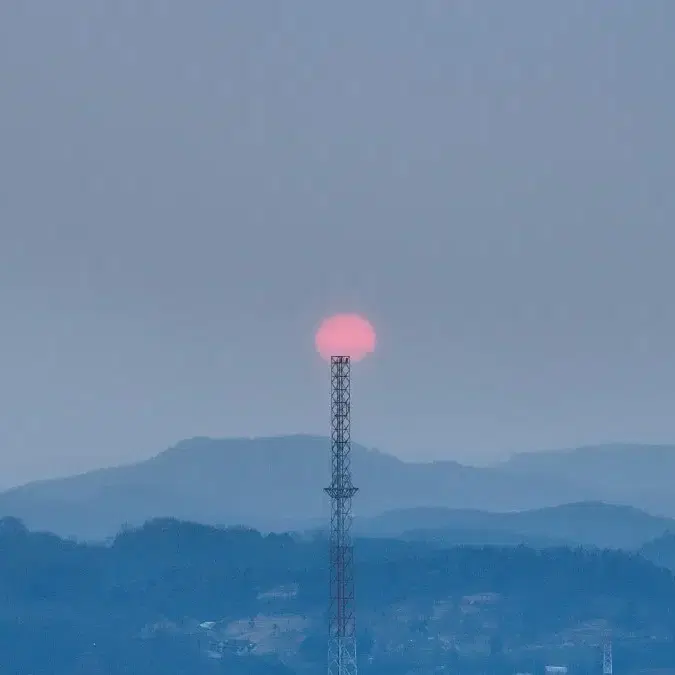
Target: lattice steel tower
x,y
341,626
607,666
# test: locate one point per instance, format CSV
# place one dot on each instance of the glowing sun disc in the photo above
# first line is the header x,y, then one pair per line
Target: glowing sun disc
x,y
345,335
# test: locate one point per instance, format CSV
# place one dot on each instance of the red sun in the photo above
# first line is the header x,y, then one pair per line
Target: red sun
x,y
345,335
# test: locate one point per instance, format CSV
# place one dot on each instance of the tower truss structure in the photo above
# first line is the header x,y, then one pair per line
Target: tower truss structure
x,y
607,665
341,622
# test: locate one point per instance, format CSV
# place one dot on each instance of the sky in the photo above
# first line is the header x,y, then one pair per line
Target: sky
x,y
188,189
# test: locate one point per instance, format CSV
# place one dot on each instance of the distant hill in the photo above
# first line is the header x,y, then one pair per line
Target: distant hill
x,y
269,483
661,550
635,474
276,484
584,523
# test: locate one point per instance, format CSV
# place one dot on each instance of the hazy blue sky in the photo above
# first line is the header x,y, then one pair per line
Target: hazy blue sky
x,y
187,188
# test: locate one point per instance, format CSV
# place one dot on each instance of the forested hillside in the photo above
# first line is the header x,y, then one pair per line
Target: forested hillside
x,y
174,597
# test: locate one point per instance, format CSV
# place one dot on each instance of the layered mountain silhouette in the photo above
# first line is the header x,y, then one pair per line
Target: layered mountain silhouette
x,y
591,524
661,550
276,484
639,475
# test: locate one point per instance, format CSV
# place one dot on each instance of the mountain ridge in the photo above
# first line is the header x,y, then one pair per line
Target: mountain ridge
x,y
276,483
590,523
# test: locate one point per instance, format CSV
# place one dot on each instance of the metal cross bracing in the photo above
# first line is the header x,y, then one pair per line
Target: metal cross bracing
x,y
341,622
607,665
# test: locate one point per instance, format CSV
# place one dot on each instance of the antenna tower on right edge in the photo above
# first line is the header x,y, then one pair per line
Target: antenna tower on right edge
x,y
607,653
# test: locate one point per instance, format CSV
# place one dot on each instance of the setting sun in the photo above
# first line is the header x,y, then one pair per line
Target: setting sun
x,y
345,335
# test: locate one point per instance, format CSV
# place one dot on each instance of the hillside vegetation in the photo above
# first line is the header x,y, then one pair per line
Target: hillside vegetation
x,y
175,597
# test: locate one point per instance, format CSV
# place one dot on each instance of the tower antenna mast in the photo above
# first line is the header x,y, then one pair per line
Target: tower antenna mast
x,y
607,665
341,623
